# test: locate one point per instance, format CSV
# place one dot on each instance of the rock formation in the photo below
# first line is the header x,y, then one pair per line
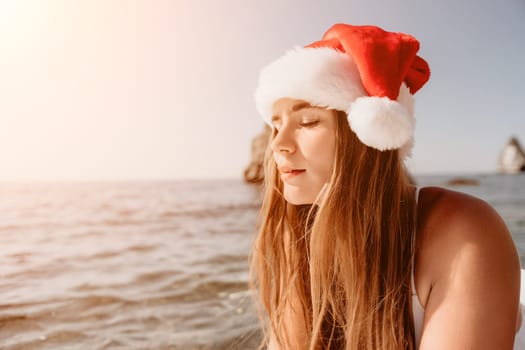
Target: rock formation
x,y
254,173
512,158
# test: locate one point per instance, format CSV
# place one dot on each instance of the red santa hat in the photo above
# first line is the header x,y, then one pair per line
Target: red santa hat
x,y
369,73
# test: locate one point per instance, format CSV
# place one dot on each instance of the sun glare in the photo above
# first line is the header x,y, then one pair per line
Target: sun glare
x,y
11,12
18,16
23,26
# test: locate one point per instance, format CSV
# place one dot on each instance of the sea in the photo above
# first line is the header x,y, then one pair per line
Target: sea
x,y
152,264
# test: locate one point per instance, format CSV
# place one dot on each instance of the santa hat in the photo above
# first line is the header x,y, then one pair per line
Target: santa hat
x,y
369,73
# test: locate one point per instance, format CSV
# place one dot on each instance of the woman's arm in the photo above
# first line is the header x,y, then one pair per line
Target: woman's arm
x,y
474,299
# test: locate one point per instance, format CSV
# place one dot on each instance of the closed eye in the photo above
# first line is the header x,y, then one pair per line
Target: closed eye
x,y
309,124
306,124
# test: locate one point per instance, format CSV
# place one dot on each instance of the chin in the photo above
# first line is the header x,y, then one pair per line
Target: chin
x,y
297,197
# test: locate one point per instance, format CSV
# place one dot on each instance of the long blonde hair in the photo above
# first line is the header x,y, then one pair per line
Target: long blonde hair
x,y
344,263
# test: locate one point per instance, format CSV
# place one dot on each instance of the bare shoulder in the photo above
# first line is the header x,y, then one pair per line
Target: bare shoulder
x,y
455,222
473,269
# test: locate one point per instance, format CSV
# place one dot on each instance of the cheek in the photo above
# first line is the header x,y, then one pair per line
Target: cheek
x,y
320,154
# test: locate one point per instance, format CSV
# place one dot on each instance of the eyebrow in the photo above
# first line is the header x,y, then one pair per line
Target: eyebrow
x,y
296,107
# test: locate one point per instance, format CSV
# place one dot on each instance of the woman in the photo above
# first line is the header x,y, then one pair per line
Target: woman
x,y
350,255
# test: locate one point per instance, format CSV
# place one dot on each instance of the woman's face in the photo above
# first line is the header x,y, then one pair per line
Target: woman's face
x,y
304,148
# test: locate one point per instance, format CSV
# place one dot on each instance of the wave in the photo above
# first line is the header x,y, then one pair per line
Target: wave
x,y
210,212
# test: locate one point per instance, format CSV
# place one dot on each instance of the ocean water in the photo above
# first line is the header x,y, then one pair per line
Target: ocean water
x,y
149,265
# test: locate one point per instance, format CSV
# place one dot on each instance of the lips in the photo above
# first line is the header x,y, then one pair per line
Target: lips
x,y
288,173
289,170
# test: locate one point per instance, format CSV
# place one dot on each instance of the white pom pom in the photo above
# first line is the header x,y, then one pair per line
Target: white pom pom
x,y
381,123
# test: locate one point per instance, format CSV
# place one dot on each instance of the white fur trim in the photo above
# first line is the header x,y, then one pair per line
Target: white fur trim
x,y
407,100
382,123
406,150
322,76
327,78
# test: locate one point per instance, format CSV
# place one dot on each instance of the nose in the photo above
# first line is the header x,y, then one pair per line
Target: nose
x,y
283,141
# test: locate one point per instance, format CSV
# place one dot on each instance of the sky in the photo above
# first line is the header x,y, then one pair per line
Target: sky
x,y
161,90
